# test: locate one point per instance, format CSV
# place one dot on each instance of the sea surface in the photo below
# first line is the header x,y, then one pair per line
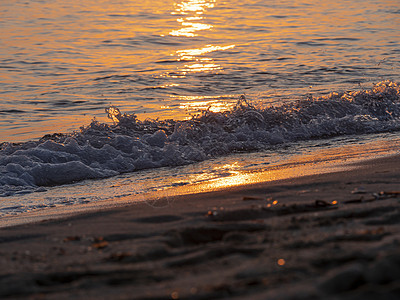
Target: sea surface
x,y
113,99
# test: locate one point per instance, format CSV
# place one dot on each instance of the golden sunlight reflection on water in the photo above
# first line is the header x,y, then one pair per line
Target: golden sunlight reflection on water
x,y
194,10
211,105
63,62
192,19
199,62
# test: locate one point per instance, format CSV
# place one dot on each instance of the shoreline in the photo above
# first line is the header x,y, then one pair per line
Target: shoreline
x,y
242,181
284,239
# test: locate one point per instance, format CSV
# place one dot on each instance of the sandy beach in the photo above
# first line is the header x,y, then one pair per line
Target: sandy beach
x,y
200,149
330,236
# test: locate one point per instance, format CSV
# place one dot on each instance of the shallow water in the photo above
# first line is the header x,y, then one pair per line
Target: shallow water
x,y
63,62
159,187
319,79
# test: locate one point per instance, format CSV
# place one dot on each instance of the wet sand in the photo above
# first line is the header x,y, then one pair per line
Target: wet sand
x,y
330,236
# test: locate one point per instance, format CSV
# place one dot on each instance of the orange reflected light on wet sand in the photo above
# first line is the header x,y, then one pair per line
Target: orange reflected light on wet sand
x,y
238,177
299,165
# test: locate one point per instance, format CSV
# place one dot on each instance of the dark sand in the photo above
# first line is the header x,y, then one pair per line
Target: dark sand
x,y
287,239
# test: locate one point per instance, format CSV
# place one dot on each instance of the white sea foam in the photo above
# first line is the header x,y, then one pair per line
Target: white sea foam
x,y
102,150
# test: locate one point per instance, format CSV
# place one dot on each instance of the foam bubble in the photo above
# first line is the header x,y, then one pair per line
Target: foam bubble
x,y
101,150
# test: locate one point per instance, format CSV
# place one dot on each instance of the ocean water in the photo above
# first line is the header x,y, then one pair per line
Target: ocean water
x,y
145,96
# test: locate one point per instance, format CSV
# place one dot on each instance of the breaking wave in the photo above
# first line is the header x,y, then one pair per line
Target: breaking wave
x,y
101,150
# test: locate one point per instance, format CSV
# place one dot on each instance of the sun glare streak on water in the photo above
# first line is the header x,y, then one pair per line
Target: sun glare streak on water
x,y
193,19
201,63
